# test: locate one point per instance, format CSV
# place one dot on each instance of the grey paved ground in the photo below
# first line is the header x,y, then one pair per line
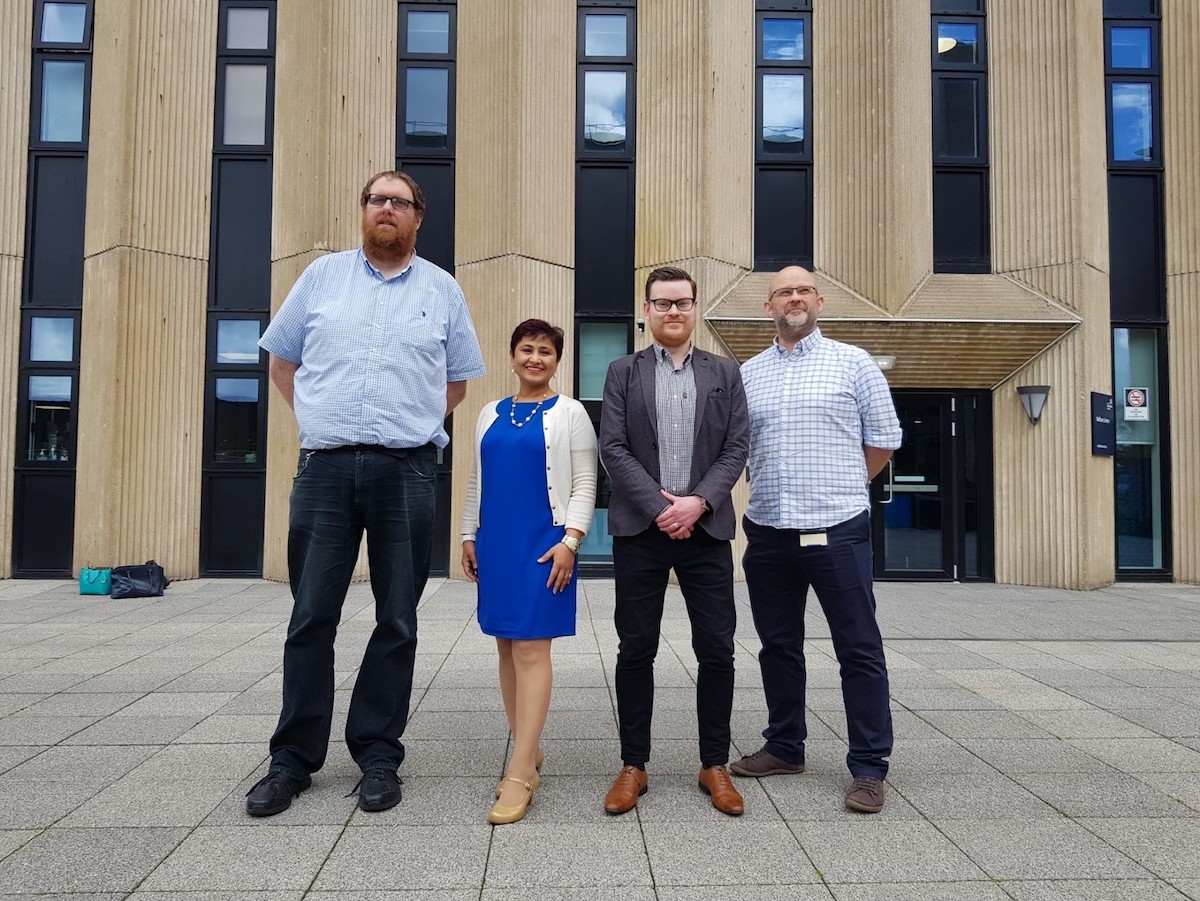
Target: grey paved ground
x,y
1048,747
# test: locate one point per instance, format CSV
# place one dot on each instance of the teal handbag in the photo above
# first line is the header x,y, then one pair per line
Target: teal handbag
x,y
95,581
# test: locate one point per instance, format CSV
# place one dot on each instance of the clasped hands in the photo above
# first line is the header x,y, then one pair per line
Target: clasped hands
x,y
561,570
681,514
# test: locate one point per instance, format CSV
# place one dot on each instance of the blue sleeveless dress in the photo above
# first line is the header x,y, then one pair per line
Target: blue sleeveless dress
x,y
516,526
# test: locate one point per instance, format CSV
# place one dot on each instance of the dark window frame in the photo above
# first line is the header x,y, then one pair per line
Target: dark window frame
x,y
210,340
630,15
219,145
55,370
981,159
1155,67
628,150
36,93
258,374
223,29
28,314
805,151
403,54
1124,9
762,13
85,45
403,147
1155,161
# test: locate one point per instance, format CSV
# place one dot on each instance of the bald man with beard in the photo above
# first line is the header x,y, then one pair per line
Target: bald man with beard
x,y
372,349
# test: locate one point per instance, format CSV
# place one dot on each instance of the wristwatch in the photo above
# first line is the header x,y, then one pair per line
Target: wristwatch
x,y
707,505
572,543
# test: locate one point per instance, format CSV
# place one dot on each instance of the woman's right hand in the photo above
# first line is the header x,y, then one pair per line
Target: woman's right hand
x,y
469,564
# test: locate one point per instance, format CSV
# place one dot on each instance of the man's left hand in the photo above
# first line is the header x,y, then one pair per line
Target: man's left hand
x,y
681,516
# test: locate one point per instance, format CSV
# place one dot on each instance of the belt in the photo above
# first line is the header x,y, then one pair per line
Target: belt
x,y
370,448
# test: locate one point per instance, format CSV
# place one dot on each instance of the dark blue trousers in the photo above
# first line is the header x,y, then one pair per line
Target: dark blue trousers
x,y
778,574
336,496
704,567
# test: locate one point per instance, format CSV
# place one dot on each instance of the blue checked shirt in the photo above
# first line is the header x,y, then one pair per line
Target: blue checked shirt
x,y
375,354
811,412
675,398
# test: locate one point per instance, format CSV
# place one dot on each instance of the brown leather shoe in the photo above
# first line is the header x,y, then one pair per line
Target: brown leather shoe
x,y
716,783
630,784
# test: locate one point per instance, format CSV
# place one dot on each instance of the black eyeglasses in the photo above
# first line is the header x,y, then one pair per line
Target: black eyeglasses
x,y
683,304
403,204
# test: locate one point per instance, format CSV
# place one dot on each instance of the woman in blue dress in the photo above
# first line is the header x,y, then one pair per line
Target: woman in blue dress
x,y
529,504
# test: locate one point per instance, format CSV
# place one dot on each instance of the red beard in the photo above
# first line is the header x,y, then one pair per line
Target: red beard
x,y
389,239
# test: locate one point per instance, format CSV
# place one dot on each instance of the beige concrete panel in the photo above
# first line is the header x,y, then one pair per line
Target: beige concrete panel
x,y
1049,177
695,116
1181,138
150,143
1184,301
502,293
515,173
872,152
16,25
1054,518
1181,133
140,410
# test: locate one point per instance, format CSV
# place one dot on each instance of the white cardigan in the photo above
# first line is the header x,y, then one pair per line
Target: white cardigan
x,y
570,466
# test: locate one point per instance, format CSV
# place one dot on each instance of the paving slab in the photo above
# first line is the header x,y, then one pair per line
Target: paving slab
x,y
86,860
420,857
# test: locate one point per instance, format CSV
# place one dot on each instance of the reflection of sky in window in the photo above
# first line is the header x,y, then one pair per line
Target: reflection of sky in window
x,y
604,107
245,105
426,101
237,341
50,387
238,391
62,101
62,23
783,39
248,29
1130,48
957,42
605,35
52,340
783,108
428,32
599,344
1132,121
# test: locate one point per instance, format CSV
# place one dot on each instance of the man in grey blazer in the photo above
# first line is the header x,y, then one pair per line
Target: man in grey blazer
x,y
674,435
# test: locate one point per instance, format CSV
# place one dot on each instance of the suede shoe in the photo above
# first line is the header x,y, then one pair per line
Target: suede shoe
x,y
764,763
865,795
273,793
378,789
631,783
715,783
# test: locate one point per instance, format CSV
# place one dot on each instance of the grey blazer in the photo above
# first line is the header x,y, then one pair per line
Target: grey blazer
x,y
629,442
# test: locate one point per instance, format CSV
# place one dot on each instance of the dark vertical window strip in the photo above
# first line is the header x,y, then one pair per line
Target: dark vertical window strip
x,y
783,134
961,190
239,291
52,291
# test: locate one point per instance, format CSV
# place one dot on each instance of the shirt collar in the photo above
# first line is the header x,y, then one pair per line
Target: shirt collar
x,y
803,346
662,355
372,271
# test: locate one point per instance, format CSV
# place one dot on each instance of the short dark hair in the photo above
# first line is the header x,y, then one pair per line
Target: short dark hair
x,y
537,328
669,274
418,196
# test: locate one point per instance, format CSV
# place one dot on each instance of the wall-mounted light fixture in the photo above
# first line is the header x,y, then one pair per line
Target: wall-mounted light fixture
x,y
1033,399
886,362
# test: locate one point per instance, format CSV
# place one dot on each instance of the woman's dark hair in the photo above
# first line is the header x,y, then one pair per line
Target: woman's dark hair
x,y
537,328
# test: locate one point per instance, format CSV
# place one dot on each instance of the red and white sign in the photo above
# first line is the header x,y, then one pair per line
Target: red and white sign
x,y
1137,404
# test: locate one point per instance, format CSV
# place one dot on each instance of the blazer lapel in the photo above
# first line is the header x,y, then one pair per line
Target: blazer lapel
x,y
645,374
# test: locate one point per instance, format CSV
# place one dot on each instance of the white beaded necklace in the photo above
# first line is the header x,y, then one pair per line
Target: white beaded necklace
x,y
512,416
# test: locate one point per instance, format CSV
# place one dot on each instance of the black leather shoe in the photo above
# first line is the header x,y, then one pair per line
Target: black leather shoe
x,y
378,790
273,793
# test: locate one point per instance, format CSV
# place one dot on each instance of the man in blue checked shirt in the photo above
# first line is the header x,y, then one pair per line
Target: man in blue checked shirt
x,y
372,348
822,424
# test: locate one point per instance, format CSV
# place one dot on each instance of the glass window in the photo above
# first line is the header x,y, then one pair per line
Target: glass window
x,y
235,423
62,101
783,112
605,35
604,110
245,105
237,341
427,106
1138,464
428,32
248,29
1130,47
959,110
783,39
1132,121
957,43
599,344
52,340
49,418
63,23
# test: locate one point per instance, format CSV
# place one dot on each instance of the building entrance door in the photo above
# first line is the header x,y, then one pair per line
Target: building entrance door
x,y
932,505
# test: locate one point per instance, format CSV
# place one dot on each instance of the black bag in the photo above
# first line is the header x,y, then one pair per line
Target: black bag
x,y
145,581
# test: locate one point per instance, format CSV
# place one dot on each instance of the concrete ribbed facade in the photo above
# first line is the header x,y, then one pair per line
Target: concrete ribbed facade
x,y
1041,315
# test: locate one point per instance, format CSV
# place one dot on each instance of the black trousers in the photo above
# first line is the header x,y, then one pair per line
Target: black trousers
x,y
704,567
778,574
